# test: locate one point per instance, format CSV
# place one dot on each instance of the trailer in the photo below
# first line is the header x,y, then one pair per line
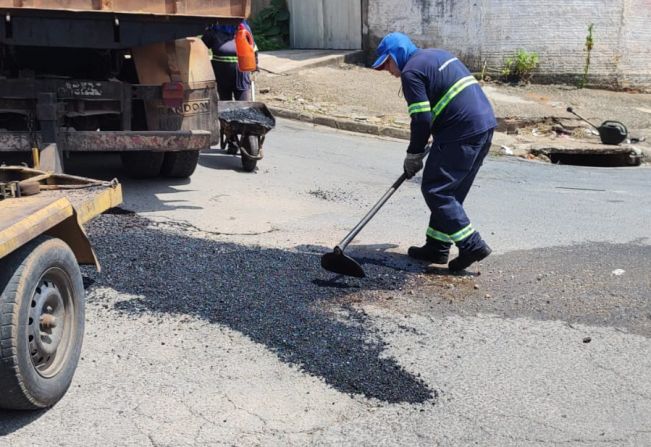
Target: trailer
x,y
42,244
126,76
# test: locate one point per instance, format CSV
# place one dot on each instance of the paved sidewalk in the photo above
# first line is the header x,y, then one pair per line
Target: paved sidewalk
x,y
355,98
284,61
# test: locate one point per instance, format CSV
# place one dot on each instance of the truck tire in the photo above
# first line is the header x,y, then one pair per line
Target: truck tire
x,y
142,164
41,323
180,164
251,144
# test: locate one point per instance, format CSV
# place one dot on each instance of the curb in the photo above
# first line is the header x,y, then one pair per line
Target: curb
x,y
352,57
393,132
353,126
342,124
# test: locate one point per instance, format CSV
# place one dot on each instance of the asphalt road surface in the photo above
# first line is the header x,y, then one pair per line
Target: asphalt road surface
x,y
213,324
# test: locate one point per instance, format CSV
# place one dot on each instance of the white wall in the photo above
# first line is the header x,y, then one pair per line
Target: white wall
x,y
327,24
490,30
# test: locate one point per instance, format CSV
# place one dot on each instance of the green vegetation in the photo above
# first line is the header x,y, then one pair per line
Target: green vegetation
x,y
589,45
520,68
271,27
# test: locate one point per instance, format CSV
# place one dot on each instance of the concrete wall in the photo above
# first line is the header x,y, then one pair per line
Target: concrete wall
x,y
326,24
490,30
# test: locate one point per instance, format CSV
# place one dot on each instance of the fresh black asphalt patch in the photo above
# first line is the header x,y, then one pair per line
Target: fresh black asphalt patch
x,y
274,297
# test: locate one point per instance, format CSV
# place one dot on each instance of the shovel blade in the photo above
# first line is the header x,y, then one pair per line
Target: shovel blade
x,y
338,262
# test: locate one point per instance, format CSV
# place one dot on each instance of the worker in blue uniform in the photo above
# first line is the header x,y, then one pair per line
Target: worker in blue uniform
x,y
446,102
232,84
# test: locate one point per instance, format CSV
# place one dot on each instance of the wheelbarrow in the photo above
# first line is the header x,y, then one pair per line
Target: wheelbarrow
x,y
244,125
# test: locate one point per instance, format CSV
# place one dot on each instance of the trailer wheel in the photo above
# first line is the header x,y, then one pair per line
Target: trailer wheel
x,y
42,323
142,164
251,144
180,164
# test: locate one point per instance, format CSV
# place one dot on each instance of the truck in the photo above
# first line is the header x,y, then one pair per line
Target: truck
x,y
125,76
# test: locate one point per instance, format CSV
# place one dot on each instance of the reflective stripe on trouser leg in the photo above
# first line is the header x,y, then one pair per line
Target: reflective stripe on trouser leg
x,y
438,235
455,237
462,233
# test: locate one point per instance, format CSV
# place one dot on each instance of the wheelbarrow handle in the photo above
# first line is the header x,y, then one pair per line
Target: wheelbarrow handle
x,y
355,231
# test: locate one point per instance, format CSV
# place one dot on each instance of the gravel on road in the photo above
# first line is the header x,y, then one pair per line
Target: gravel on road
x,y
281,299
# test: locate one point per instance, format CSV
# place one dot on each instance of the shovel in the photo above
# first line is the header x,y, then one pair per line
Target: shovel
x,y
338,261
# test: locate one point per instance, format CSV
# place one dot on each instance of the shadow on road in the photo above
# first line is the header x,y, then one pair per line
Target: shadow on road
x,y
159,192
11,421
220,160
281,299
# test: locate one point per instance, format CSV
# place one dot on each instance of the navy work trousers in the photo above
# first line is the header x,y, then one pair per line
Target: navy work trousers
x,y
232,84
449,173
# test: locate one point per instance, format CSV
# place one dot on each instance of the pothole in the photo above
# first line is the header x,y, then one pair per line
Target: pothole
x,y
578,154
598,160
567,142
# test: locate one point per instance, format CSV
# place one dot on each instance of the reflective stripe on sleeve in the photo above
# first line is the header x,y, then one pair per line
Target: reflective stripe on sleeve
x,y
448,62
419,107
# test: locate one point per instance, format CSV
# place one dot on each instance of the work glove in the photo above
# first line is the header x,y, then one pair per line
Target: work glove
x,y
414,162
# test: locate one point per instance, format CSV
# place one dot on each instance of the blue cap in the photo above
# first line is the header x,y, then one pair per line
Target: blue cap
x,y
382,58
379,63
396,45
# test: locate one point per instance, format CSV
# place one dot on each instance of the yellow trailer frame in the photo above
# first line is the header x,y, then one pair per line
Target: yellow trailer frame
x,y
63,205
42,305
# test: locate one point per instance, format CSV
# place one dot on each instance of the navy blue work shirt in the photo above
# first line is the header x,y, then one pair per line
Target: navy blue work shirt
x,y
432,75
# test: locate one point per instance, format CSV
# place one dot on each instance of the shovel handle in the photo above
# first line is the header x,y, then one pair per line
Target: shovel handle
x,y
362,223
571,110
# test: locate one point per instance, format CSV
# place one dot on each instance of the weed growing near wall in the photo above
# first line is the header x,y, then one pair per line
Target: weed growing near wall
x,y
520,67
589,45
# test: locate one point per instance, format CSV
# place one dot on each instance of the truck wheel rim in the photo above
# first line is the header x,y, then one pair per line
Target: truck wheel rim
x,y
50,324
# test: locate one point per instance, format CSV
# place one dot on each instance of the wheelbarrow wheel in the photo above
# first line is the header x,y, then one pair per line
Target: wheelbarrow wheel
x,y
251,145
42,297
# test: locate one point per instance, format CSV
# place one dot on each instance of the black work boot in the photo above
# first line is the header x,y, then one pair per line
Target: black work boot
x,y
469,256
433,251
